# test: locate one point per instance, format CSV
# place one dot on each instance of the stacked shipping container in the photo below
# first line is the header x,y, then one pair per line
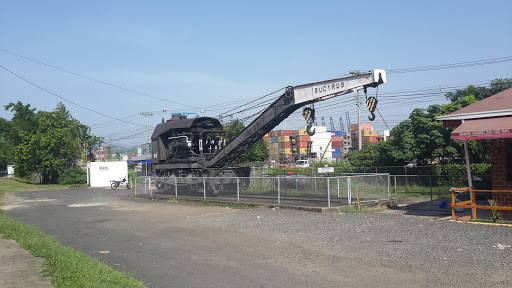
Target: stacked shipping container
x,y
336,144
326,143
367,134
279,142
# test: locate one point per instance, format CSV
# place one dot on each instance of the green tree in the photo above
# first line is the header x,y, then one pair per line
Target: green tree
x,y
422,139
6,145
365,157
57,145
24,121
258,151
480,93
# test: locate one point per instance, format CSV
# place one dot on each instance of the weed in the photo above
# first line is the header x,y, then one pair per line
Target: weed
x,y
496,215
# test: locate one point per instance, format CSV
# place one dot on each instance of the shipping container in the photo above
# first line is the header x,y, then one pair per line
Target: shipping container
x,y
285,132
284,139
364,126
335,133
303,150
304,138
283,145
274,140
336,149
337,143
370,139
302,132
337,138
369,132
336,155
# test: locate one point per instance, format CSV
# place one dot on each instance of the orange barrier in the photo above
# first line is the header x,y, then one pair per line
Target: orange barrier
x,y
471,204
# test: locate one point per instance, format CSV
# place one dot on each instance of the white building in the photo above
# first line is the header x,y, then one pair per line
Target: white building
x,y
99,174
384,134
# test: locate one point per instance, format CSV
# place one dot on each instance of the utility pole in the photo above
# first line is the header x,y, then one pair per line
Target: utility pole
x,y
360,143
147,114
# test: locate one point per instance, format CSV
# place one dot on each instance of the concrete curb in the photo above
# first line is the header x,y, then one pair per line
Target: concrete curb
x,y
365,206
18,268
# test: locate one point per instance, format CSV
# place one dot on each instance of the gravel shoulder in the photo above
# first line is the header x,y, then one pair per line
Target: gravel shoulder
x,y
201,246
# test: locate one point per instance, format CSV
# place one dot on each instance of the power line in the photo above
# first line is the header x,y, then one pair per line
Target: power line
x,y
451,66
96,80
58,96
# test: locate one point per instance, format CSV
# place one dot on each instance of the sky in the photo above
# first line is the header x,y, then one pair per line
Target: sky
x,y
111,61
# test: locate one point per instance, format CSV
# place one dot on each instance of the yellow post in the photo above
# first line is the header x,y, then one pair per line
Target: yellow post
x,y
473,198
358,205
453,203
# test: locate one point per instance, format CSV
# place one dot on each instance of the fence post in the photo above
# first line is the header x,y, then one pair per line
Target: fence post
x,y
349,193
338,184
431,197
150,187
396,198
176,186
135,186
145,185
389,187
204,188
238,189
328,194
278,191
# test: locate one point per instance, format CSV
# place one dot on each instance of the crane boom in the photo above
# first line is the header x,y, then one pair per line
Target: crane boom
x,y
292,99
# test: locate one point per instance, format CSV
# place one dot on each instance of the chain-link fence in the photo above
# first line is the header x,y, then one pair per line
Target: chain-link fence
x,y
426,192
293,190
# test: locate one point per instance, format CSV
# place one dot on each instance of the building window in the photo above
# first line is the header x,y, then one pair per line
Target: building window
x,y
509,161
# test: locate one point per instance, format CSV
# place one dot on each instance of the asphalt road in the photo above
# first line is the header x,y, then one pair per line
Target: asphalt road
x,y
181,245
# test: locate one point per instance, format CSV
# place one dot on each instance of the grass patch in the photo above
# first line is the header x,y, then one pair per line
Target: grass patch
x,y
354,209
227,204
488,220
66,267
218,204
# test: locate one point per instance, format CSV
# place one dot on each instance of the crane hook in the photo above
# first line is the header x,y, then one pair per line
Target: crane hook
x,y
308,130
309,116
371,102
373,116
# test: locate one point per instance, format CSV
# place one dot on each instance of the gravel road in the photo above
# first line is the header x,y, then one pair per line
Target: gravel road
x,y
182,245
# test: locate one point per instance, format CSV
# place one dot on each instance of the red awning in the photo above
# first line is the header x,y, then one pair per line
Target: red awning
x,y
486,128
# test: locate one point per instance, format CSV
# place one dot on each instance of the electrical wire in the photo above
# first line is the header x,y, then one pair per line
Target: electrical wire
x,y
67,100
96,80
451,66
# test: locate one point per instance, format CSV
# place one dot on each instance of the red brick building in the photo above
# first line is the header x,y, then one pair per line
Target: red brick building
x,y
490,118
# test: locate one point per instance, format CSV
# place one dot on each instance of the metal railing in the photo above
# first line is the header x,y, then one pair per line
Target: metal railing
x,y
295,190
413,189
471,204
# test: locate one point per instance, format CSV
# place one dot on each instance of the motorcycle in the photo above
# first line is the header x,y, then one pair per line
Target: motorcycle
x,y
114,184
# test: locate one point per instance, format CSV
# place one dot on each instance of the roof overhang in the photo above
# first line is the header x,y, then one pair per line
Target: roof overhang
x,y
146,158
487,128
476,115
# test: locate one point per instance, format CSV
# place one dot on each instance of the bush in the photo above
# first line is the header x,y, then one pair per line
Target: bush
x,y
73,175
460,169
